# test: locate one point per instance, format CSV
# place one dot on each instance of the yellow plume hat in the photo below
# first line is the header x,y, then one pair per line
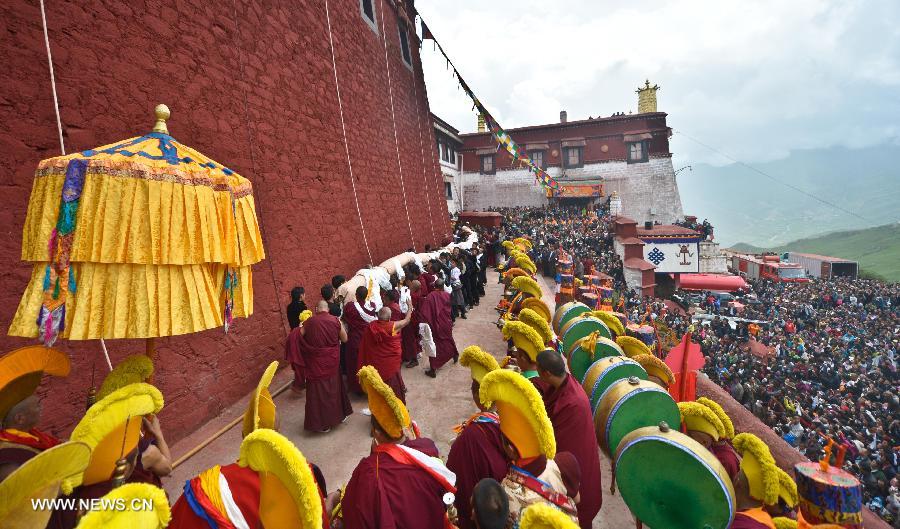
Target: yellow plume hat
x,y
655,367
39,478
522,242
759,467
612,321
543,516
523,418
288,493
538,306
388,410
720,413
632,346
136,513
111,428
524,337
787,489
21,371
697,417
536,322
134,369
527,285
305,315
513,273
261,410
479,362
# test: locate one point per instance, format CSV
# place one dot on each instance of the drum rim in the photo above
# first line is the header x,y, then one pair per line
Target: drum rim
x,y
624,361
624,398
729,491
562,338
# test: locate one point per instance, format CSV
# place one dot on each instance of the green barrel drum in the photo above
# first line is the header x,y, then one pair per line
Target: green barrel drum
x,y
628,405
578,328
580,357
669,480
566,312
607,371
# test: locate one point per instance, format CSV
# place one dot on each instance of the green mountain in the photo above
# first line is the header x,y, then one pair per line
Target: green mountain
x,y
745,205
876,249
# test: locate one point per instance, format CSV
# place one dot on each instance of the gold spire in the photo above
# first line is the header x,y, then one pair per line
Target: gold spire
x,y
162,114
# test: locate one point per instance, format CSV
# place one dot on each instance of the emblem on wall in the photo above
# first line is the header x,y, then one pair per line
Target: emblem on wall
x,y
685,255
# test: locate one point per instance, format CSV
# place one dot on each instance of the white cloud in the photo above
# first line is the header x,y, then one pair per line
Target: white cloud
x,y
753,79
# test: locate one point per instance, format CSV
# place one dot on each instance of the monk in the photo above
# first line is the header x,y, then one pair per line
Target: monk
x,y
293,355
381,348
20,440
573,426
327,404
409,336
476,454
750,494
356,317
436,314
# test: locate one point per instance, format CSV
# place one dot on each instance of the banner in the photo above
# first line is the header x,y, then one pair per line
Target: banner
x,y
673,257
572,191
503,139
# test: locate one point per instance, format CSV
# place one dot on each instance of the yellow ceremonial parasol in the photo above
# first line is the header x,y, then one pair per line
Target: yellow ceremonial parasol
x,y
137,239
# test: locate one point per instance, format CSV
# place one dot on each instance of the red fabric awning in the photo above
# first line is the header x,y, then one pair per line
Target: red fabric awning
x,y
726,283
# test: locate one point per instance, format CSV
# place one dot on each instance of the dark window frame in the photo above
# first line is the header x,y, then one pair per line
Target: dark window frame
x,y
370,21
493,168
448,190
405,50
565,160
543,164
645,151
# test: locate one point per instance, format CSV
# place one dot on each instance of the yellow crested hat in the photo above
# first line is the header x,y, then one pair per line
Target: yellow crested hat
x,y
21,371
787,489
538,323
305,315
388,410
524,337
111,428
288,493
478,361
782,522
261,410
543,516
513,273
523,243
134,369
144,506
632,346
509,245
759,467
611,320
655,368
526,264
523,418
720,413
39,478
527,285
697,417
538,306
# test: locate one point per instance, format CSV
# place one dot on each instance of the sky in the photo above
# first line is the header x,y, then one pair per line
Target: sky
x,y
753,80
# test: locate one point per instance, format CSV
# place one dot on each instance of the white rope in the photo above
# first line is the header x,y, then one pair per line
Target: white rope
x,y
337,87
422,150
59,129
62,145
387,67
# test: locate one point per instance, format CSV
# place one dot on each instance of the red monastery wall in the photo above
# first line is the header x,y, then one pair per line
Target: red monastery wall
x,y
251,85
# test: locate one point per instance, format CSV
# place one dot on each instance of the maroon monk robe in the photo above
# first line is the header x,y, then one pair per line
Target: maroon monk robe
x,y
384,493
356,324
477,453
409,335
427,282
752,519
327,403
727,456
573,425
292,354
435,312
380,348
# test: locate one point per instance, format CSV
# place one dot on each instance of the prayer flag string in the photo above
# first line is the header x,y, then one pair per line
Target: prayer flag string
x,y
502,138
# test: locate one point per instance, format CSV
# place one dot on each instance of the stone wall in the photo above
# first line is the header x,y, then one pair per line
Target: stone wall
x,y
712,260
250,84
504,189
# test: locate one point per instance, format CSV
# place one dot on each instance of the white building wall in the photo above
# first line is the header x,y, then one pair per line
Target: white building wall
x,y
648,191
633,278
712,260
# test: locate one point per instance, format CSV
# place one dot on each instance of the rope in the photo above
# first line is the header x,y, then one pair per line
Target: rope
x,y
337,87
262,225
387,67
422,152
59,129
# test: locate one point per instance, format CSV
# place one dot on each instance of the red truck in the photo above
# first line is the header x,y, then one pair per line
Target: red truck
x,y
768,266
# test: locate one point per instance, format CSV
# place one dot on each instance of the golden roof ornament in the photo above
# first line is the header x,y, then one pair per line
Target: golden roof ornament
x,y
162,114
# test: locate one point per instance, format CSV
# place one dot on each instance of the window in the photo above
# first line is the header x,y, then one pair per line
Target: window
x,y
538,158
637,151
404,43
572,157
448,188
367,8
487,164
440,151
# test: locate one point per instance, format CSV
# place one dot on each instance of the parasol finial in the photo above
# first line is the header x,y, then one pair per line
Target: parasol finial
x,y
162,114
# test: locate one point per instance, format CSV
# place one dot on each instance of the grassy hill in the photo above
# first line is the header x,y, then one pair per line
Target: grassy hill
x,y
876,249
